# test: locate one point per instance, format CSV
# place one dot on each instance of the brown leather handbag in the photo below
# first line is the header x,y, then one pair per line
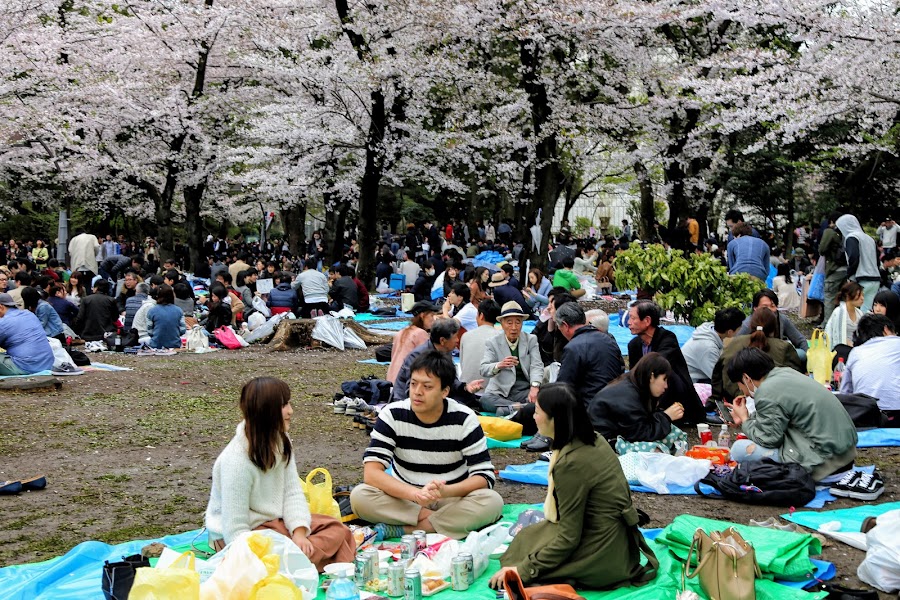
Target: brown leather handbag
x,y
726,565
517,590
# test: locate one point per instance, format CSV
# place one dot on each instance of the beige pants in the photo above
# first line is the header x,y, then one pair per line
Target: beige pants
x,y
453,517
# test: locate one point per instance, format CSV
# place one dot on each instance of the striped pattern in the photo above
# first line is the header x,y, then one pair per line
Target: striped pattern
x,y
453,449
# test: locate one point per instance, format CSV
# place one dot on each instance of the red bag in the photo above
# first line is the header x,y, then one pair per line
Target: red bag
x,y
227,337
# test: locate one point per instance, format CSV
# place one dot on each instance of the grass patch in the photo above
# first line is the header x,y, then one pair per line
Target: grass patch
x,y
114,478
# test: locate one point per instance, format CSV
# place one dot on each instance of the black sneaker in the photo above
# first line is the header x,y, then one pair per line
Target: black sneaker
x,y
842,488
66,369
867,487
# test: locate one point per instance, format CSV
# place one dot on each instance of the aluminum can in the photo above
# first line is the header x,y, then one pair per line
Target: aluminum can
x,y
372,566
421,543
412,585
470,565
360,576
396,579
409,547
459,573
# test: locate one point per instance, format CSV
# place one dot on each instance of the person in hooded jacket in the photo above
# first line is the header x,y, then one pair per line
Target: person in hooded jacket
x,y
705,347
283,298
862,258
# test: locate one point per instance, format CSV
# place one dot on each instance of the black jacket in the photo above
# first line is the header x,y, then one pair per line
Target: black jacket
x,y
681,388
422,286
97,316
590,360
344,292
618,410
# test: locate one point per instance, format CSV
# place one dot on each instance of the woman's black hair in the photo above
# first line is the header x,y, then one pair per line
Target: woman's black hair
x,y
891,302
752,362
570,418
652,364
784,270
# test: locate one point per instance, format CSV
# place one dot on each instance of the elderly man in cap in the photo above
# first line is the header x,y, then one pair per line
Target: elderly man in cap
x,y
23,338
513,362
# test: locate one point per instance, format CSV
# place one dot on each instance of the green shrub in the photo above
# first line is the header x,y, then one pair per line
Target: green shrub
x,y
692,288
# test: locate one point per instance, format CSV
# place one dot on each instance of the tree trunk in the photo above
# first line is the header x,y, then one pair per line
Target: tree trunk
x,y
193,223
789,232
648,209
335,222
368,198
294,221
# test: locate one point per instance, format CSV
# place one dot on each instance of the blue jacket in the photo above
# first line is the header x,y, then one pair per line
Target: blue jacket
x,y
24,340
131,307
507,293
66,309
49,318
165,324
749,255
283,295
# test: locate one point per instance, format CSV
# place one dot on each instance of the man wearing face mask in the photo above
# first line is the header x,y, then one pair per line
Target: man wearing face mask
x,y
795,419
422,287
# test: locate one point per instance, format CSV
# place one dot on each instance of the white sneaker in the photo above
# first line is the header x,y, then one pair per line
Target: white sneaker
x,y
867,487
66,369
340,406
356,406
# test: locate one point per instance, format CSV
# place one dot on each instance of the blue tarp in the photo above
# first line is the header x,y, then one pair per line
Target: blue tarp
x,y
490,257
851,519
875,438
77,575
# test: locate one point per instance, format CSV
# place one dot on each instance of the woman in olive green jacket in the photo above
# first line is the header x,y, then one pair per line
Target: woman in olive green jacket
x,y
765,336
590,537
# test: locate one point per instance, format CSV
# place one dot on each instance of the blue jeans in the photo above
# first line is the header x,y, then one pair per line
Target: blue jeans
x,y
750,451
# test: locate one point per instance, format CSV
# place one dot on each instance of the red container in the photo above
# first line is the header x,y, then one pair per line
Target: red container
x,y
705,436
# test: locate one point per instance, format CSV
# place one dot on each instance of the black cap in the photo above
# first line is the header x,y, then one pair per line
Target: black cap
x,y
423,306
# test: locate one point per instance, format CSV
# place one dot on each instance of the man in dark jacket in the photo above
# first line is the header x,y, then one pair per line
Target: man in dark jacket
x,y
504,292
343,289
591,359
283,298
650,337
98,314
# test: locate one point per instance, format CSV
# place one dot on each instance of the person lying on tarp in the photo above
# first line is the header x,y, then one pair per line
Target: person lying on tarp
x,y
590,537
255,484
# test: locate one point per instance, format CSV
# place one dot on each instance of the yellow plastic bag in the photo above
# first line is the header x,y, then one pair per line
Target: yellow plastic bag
x,y
178,581
502,430
275,587
819,357
319,495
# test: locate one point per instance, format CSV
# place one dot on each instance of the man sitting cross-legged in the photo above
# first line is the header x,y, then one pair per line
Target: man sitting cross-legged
x,y
442,476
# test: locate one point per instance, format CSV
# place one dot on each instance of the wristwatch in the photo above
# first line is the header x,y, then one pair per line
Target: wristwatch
x,y
536,384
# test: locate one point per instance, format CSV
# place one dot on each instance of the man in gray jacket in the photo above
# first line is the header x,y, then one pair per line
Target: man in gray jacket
x,y
862,258
704,348
513,362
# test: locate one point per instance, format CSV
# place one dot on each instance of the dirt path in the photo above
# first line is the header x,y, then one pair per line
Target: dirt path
x,y
128,455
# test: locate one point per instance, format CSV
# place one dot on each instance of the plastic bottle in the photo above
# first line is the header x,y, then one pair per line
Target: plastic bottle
x,y
838,373
724,440
342,588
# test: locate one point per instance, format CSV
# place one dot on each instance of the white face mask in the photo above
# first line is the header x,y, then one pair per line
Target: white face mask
x,y
748,384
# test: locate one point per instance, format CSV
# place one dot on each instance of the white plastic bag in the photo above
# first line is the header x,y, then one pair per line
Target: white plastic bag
x,y
255,320
881,566
406,302
344,313
196,339
329,330
657,471
60,355
266,329
480,544
351,340
260,305
382,287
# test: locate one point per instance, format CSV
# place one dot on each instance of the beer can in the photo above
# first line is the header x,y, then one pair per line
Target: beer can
x,y
412,585
470,565
421,543
459,573
360,576
396,578
372,566
408,547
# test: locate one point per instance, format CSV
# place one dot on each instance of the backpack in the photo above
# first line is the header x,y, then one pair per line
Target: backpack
x,y
765,482
863,410
371,390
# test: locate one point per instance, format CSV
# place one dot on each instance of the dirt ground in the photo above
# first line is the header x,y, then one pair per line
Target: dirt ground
x,y
128,455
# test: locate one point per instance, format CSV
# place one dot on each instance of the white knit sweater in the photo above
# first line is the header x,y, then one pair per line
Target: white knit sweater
x,y
244,497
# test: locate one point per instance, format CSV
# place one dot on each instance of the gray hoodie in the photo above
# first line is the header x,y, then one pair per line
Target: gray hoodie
x,y
861,251
702,352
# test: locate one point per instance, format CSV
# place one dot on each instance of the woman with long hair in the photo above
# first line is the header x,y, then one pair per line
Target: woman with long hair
x,y
843,321
629,407
75,289
589,536
785,288
765,336
536,291
255,484
478,285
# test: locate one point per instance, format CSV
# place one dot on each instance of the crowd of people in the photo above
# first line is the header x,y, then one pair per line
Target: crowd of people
x,y
427,466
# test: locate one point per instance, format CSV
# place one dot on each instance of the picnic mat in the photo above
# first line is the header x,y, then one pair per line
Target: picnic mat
x,y
536,474
851,519
876,438
77,574
492,443
38,374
